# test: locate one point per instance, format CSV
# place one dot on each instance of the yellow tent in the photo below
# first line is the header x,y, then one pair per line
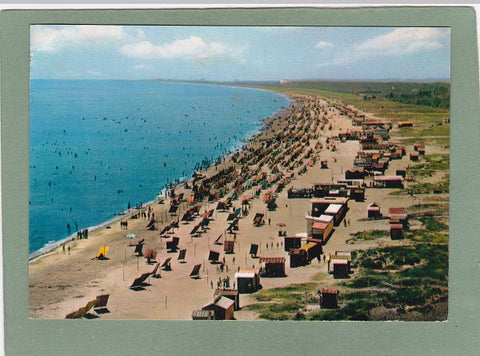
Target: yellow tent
x,y
102,252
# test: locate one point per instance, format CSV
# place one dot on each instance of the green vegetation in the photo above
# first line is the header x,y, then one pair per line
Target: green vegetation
x,y
403,280
408,282
425,104
429,188
433,230
433,94
424,130
368,235
429,94
319,277
437,164
431,164
440,141
420,207
284,303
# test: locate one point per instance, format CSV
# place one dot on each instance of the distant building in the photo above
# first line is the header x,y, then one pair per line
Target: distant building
x,y
248,281
373,210
329,298
396,231
284,81
230,294
222,308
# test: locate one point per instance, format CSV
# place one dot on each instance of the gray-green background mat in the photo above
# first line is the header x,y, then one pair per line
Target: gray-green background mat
x,y
460,335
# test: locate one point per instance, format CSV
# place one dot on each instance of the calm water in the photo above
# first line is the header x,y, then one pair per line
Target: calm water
x,y
96,146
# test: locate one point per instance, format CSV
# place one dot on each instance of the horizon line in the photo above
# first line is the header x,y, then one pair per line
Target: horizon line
x,y
252,81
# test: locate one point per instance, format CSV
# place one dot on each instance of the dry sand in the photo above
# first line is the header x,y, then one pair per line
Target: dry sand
x,y
60,281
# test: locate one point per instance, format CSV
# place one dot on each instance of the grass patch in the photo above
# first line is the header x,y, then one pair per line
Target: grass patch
x,y
319,277
434,230
431,188
431,164
433,207
292,291
431,223
403,280
284,303
370,235
441,187
440,141
427,236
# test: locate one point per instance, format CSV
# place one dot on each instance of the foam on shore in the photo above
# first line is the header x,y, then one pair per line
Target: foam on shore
x,y
238,147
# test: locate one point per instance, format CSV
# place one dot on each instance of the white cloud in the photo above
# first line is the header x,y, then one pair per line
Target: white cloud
x,y
398,42
323,44
192,47
139,66
405,41
52,38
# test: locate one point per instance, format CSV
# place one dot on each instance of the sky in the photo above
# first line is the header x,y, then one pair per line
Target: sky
x,y
218,53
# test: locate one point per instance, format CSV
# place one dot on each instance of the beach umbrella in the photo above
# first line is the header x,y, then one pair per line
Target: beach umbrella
x,y
131,236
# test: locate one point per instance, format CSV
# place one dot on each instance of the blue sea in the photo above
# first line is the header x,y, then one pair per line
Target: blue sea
x,y
97,146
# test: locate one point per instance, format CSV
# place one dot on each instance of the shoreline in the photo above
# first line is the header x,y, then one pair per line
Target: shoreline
x,y
283,143
262,123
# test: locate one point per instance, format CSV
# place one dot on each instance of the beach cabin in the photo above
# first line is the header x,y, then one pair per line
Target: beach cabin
x,y
355,174
322,219
405,124
321,231
248,280
228,246
337,211
373,210
222,308
396,231
340,192
357,194
414,156
329,298
417,147
230,294
398,215
397,154
388,181
203,315
321,204
273,266
401,172
306,253
341,267
292,242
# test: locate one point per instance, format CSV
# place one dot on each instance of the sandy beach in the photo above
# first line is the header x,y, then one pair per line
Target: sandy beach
x,y
288,151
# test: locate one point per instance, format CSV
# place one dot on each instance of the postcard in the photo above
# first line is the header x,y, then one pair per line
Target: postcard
x,y
292,168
